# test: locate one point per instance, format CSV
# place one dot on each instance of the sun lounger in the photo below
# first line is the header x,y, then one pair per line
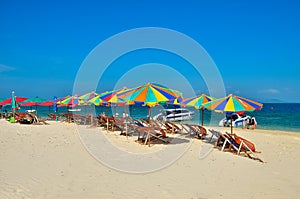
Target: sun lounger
x,y
234,143
244,146
199,131
172,127
147,132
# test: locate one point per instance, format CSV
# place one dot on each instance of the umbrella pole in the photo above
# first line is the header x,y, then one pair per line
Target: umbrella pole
x,y
126,121
130,110
149,114
231,123
125,112
199,115
91,119
202,116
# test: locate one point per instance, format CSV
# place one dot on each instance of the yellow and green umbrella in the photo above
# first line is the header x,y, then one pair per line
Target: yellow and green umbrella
x,y
71,101
198,102
88,96
59,101
151,95
232,104
97,101
112,97
109,98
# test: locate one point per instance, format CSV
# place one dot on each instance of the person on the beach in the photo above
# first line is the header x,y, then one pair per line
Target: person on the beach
x,y
252,123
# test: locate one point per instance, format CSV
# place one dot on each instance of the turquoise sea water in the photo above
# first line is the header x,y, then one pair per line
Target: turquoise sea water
x,y
277,116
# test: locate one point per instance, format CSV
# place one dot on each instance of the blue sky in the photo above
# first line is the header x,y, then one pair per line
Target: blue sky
x,y
254,44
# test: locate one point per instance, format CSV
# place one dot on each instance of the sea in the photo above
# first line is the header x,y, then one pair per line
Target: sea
x,y
274,116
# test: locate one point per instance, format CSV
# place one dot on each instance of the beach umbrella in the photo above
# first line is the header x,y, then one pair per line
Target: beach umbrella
x,y
197,102
232,104
97,101
33,102
176,102
9,100
126,92
113,98
108,98
47,103
150,95
59,101
14,104
71,101
55,104
1,100
86,97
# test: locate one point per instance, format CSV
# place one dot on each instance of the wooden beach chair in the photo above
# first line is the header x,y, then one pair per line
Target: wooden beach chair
x,y
197,130
244,146
235,144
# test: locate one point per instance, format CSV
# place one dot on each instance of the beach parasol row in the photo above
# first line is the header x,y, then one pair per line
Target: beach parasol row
x,y
149,95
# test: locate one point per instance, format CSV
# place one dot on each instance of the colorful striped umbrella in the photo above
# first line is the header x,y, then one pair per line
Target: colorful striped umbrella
x,y
126,92
151,95
112,97
88,96
197,102
109,98
71,101
97,101
233,103
59,101
176,101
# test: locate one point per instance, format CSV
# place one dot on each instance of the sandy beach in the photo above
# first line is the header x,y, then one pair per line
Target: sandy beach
x,y
50,161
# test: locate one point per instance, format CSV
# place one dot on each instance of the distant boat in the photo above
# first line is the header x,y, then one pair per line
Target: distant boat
x,y
176,114
31,111
237,120
74,109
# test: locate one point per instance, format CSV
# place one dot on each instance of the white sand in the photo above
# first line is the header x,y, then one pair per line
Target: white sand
x,y
50,161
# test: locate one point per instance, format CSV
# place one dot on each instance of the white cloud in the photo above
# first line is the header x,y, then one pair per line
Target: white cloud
x,y
4,68
270,91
